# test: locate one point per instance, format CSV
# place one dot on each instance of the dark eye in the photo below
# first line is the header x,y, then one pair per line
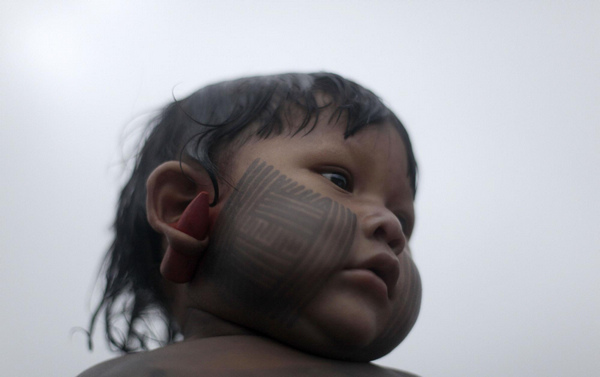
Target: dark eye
x,y
339,180
404,224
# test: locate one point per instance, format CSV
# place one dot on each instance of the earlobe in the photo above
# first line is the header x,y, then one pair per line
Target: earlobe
x,y
177,207
178,266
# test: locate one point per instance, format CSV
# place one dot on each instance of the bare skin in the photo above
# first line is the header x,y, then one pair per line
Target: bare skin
x,y
308,262
351,303
235,352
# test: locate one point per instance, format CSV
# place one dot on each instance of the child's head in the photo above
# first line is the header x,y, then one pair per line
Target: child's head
x,y
312,180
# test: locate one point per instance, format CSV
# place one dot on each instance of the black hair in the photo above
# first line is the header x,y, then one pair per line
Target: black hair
x,y
198,127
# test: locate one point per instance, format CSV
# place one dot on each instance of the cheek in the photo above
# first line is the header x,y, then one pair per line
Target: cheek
x,y
406,307
276,242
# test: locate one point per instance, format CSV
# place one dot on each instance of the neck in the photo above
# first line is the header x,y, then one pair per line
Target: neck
x,y
200,324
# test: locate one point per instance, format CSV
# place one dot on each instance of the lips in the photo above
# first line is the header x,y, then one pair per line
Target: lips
x,y
383,265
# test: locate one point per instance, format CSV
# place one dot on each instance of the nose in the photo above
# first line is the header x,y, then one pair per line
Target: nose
x,y
381,224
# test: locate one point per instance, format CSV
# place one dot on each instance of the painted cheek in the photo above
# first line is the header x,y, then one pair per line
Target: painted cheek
x,y
277,242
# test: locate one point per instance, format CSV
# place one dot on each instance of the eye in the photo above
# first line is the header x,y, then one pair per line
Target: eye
x,y
339,180
405,225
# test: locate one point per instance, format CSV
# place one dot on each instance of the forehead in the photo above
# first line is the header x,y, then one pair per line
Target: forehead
x,y
375,143
376,151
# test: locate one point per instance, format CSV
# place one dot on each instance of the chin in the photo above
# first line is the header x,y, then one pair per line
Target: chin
x,y
341,331
346,347
344,325
358,341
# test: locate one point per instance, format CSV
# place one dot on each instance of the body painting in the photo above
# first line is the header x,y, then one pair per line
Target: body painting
x,y
277,242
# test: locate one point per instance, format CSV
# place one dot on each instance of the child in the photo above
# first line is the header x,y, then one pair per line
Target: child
x,y
299,265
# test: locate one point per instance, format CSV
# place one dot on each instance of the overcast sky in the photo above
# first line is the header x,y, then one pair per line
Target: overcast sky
x,y
501,100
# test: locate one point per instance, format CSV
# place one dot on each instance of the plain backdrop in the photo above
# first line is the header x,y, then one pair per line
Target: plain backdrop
x,y
501,100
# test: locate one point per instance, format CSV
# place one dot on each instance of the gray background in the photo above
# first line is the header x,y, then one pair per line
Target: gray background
x,y
501,100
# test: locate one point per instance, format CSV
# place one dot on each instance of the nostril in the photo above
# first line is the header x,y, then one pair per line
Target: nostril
x,y
380,233
383,226
396,244
394,241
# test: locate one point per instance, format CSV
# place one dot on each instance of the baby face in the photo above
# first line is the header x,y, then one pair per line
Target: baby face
x,y
311,245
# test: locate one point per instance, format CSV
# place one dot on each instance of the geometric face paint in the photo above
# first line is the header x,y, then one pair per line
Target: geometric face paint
x,y
276,242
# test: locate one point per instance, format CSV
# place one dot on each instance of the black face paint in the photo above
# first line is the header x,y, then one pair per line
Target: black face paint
x,y
276,242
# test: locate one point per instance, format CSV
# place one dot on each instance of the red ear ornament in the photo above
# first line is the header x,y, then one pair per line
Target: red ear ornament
x,y
177,266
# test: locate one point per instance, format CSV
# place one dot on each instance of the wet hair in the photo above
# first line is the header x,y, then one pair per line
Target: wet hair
x,y
199,127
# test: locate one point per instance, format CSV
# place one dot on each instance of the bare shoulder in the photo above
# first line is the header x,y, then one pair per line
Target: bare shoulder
x,y
132,366
171,361
114,367
224,358
341,369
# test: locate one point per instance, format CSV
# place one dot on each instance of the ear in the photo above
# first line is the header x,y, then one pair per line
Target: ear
x,y
177,207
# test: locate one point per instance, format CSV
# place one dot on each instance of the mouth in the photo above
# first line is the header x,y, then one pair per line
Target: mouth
x,y
384,267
